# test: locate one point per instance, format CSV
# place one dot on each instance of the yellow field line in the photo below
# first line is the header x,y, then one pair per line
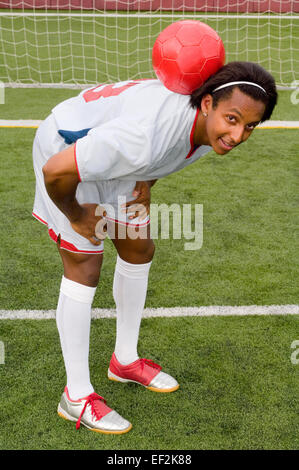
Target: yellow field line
x,y
259,128
277,127
33,124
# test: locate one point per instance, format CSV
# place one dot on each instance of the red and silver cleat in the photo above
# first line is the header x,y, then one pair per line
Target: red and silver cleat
x,y
92,412
144,372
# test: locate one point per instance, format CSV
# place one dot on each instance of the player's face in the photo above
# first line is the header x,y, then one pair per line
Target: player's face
x,y
232,121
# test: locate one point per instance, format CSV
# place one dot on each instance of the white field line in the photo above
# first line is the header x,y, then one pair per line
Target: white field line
x,y
20,123
209,311
31,123
279,125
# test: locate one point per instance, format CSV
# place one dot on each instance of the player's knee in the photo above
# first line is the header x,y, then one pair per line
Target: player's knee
x,y
88,275
91,278
144,252
137,251
82,268
150,250
89,266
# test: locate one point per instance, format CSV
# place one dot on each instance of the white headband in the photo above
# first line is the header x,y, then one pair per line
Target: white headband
x,y
239,83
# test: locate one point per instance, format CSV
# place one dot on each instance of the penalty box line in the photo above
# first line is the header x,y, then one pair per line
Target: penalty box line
x,y
208,311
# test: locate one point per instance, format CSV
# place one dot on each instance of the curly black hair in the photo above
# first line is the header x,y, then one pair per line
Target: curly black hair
x,y
239,71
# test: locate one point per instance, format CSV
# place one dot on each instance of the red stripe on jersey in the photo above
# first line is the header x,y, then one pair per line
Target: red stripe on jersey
x,y
193,147
75,155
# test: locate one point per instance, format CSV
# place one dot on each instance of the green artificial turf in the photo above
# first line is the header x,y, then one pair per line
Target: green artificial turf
x,y
238,387
238,384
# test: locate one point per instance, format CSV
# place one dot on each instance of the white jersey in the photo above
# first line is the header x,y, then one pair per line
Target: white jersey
x,y
134,130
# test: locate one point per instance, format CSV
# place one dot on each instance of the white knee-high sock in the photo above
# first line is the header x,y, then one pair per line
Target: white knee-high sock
x,y
129,292
73,317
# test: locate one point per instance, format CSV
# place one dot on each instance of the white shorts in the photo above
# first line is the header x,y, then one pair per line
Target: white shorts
x,y
109,194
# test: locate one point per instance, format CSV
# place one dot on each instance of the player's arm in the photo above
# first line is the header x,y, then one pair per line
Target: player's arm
x,y
61,181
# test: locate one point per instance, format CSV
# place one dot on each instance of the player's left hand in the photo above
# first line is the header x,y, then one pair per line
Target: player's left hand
x,y
139,207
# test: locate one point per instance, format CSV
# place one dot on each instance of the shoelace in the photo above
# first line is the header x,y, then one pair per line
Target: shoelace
x,y
150,363
92,400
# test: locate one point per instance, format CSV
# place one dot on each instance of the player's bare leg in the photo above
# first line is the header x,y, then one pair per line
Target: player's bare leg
x,y
79,402
136,245
82,268
134,259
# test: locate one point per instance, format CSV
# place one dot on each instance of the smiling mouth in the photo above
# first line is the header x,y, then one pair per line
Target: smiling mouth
x,y
225,144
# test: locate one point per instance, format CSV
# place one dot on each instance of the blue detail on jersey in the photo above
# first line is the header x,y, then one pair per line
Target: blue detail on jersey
x,y
70,137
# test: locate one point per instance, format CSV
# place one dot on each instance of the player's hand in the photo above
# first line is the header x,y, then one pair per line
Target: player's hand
x,y
91,223
139,207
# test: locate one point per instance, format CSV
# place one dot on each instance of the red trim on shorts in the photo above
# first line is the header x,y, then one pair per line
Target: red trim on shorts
x,y
193,147
143,224
75,155
39,218
69,246
63,243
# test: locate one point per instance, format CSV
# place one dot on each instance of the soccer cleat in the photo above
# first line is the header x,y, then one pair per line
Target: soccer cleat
x,y
144,372
93,413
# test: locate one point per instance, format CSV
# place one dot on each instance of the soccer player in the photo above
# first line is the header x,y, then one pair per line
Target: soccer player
x,y
117,140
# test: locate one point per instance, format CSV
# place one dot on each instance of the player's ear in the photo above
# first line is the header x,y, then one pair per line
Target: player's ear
x,y
206,103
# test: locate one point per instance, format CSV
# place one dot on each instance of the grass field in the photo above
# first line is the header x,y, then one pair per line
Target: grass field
x,y
239,389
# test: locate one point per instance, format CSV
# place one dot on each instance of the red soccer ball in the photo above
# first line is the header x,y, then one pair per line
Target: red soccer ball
x,y
186,54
